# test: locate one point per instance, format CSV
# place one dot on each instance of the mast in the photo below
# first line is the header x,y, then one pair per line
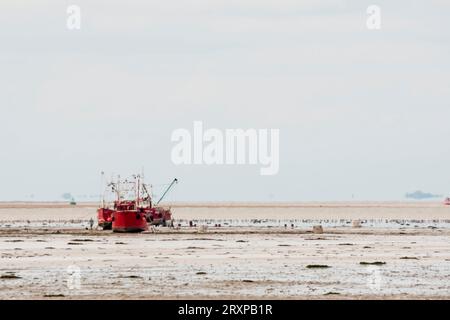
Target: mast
x,y
138,180
118,187
102,190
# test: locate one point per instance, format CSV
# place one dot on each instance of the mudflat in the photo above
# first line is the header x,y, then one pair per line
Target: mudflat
x,y
47,252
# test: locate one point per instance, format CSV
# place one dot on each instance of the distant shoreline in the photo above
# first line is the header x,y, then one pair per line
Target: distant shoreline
x,y
237,204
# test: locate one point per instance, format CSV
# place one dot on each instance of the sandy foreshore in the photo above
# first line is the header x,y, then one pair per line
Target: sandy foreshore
x,y
53,256
10,211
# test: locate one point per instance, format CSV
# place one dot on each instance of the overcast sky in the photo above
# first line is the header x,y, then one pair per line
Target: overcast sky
x,y
363,114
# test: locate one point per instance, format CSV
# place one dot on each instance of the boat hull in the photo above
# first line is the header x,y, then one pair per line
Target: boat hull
x,y
159,216
129,221
104,218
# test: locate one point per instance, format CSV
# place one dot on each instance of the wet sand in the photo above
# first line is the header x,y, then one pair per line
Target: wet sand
x,y
11,211
400,261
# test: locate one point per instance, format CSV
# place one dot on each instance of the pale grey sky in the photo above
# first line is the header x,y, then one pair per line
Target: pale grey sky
x,y
360,112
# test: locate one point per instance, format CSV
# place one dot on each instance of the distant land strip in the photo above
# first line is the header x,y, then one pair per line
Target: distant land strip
x,y
343,204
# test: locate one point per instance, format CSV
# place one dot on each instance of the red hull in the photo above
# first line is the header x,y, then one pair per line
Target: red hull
x,y
447,201
104,217
159,216
129,221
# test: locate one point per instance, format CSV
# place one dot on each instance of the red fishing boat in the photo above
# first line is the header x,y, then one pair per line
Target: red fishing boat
x,y
133,209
